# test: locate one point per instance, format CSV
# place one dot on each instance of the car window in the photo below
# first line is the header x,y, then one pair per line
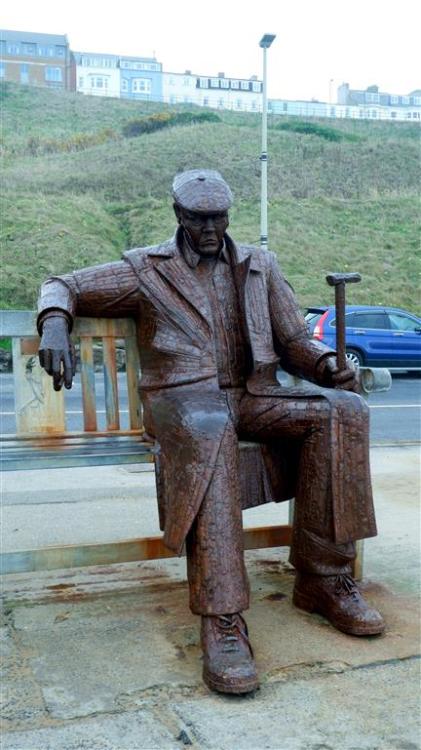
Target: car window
x,y
349,320
313,316
371,320
401,322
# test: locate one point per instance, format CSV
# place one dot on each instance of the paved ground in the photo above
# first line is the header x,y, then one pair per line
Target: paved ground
x,y
108,658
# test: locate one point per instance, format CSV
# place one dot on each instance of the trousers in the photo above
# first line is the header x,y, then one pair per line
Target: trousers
x,y
217,575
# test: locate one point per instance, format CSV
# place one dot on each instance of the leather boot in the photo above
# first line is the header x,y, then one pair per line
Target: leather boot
x,y
340,601
228,664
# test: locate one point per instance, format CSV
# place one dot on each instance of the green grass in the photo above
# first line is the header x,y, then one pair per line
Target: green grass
x,y
343,195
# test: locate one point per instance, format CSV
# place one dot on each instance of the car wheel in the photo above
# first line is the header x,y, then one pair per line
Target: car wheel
x,y
354,356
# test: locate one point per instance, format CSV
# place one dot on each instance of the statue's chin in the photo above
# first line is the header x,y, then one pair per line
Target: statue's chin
x,y
209,250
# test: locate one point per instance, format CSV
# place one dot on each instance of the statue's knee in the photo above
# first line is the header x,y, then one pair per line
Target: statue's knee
x,y
352,405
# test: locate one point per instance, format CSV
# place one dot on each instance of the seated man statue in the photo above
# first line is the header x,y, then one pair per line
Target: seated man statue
x,y
214,321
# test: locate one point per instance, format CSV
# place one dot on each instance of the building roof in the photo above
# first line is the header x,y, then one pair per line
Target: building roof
x,y
138,59
224,77
32,37
107,55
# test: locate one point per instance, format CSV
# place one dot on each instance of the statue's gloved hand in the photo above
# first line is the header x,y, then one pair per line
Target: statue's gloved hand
x,y
333,377
56,352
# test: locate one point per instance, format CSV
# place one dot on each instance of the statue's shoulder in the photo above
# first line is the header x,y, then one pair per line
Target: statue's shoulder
x,y
137,256
260,258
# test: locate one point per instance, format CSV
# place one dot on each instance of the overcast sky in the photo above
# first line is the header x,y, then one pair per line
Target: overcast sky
x,y
319,43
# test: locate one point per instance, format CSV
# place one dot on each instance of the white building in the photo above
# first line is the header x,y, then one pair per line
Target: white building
x,y
97,74
357,112
217,92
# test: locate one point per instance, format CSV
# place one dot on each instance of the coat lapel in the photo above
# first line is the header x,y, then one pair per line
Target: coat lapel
x,y
177,273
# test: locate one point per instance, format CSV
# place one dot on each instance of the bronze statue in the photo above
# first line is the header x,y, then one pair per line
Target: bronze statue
x,y
214,321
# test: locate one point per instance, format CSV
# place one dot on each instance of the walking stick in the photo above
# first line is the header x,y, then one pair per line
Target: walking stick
x,y
338,280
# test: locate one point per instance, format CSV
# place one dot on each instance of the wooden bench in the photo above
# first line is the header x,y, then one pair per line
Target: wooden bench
x,y
42,441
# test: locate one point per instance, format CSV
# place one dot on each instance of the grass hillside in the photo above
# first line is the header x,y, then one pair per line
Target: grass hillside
x,y
343,195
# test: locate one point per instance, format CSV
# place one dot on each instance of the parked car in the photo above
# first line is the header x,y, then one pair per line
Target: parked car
x,y
375,336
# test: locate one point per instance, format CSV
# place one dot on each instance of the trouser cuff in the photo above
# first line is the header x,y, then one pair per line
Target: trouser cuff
x,y
318,556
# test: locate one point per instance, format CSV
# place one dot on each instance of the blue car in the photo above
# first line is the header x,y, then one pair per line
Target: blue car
x,y
375,336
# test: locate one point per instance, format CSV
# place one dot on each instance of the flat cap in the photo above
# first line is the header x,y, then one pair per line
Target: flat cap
x,y
202,190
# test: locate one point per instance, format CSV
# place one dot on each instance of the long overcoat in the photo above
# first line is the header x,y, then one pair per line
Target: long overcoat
x,y
156,287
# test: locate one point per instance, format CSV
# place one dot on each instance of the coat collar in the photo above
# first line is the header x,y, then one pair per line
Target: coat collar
x,y
238,253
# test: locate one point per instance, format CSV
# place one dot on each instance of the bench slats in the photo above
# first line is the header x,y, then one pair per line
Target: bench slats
x,y
73,452
87,375
110,383
132,374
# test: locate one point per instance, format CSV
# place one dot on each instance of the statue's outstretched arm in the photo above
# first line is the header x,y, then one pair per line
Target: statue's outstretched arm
x,y
109,290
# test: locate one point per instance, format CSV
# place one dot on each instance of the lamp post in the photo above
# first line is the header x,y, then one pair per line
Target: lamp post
x,y
265,43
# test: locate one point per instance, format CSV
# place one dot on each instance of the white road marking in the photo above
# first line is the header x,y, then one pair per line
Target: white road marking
x,y
126,411
395,406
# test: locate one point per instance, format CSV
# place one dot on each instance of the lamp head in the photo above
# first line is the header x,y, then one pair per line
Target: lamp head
x,y
267,40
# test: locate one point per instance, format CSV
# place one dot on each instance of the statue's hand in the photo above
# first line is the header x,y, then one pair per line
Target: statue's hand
x,y
346,379
56,352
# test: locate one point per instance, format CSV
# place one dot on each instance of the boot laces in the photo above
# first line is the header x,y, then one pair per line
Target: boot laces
x,y
345,584
229,630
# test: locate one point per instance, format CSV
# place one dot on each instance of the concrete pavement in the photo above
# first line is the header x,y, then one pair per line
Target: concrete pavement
x,y
108,658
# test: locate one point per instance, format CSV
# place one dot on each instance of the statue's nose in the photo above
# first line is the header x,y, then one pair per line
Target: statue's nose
x,y
210,224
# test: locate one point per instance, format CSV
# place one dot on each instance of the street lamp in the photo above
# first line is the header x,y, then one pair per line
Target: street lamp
x,y
265,43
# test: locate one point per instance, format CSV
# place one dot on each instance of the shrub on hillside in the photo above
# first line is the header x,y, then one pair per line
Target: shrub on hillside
x,y
76,142
313,128
148,124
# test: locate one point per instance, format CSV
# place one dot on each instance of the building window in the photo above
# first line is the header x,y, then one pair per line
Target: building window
x,y
374,113
235,84
393,115
332,112
53,74
124,85
221,102
80,84
24,73
417,101
245,86
138,65
405,100
12,49
256,86
285,107
60,51
239,104
99,82
141,85
224,83
204,83
372,98
214,82
254,104
45,51
394,99
28,49
205,101
2,70
186,81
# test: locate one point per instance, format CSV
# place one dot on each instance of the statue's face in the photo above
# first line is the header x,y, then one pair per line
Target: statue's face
x,y
206,231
